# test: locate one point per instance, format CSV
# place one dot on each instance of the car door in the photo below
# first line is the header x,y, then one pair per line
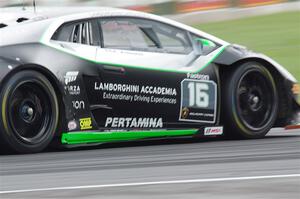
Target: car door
x,y
139,83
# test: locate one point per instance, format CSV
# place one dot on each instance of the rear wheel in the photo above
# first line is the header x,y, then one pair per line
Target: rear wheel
x,y
250,101
30,112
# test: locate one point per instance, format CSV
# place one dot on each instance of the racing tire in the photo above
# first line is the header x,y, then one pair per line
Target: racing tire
x,y
29,113
250,101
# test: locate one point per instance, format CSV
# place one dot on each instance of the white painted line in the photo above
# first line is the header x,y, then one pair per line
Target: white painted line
x,y
150,183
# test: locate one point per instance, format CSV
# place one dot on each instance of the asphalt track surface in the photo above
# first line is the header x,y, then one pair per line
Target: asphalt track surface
x,y
174,168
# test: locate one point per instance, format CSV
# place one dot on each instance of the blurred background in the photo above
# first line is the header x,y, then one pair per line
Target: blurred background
x,y
153,6
268,26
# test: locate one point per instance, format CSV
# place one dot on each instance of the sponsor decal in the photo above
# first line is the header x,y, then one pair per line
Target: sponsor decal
x,y
71,76
198,76
78,105
85,123
72,125
73,90
153,90
115,122
213,131
137,93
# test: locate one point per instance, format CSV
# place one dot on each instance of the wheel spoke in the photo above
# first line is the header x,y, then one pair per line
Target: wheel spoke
x,y
24,129
254,99
29,107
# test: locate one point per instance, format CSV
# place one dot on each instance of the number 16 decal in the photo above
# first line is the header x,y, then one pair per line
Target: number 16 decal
x,y
198,101
198,94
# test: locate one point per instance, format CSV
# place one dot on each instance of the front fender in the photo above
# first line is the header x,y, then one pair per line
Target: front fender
x,y
287,83
235,53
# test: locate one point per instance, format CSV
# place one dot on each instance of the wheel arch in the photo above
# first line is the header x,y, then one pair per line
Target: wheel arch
x,y
54,82
282,83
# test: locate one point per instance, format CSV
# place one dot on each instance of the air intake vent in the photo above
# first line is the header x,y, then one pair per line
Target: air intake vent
x,y
22,19
2,25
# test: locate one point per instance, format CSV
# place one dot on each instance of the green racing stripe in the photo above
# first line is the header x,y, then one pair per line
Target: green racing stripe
x,y
104,137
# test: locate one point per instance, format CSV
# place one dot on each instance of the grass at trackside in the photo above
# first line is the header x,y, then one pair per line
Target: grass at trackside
x,y
276,35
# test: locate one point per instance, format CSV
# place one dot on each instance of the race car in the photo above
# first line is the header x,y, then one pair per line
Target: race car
x,y
85,76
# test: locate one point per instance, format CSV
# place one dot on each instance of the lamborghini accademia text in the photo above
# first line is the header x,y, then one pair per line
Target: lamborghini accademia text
x,y
78,77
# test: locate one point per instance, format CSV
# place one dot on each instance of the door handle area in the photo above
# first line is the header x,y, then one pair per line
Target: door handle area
x,y
114,69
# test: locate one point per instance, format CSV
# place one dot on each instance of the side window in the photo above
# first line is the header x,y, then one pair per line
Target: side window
x,y
80,33
123,34
144,35
172,40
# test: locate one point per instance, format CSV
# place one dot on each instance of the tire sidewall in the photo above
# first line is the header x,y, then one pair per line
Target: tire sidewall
x,y
12,140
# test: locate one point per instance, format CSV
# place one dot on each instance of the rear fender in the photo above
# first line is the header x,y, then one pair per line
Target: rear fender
x,y
6,67
10,67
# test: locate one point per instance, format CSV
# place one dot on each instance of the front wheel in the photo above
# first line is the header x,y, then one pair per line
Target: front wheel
x,y
29,112
250,101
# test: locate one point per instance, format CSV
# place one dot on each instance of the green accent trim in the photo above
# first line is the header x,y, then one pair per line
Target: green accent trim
x,y
102,137
44,41
206,42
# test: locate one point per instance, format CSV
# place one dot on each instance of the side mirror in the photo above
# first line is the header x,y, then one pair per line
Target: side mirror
x,y
203,45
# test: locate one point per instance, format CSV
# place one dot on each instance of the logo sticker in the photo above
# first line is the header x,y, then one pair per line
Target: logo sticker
x,y
72,125
86,123
185,113
78,105
213,131
71,77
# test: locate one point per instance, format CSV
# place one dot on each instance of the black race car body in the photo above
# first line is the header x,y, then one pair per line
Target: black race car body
x,y
117,75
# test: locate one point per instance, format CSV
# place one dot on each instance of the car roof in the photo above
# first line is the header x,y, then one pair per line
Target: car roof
x,y
16,20
11,15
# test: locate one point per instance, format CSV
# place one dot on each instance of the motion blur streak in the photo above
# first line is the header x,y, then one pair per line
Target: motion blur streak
x,y
218,166
153,183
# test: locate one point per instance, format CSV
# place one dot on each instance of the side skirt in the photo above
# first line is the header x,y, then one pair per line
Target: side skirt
x,y
78,138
